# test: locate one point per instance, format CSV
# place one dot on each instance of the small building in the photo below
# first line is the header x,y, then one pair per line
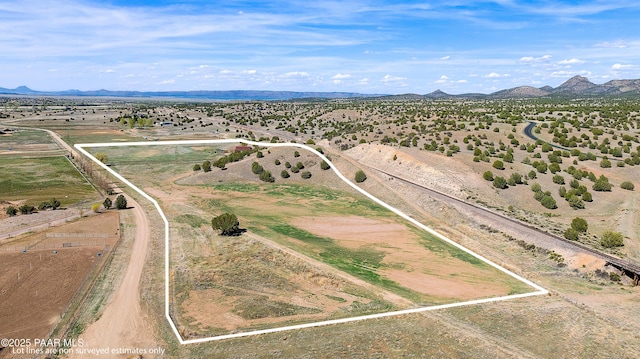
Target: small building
x,y
243,148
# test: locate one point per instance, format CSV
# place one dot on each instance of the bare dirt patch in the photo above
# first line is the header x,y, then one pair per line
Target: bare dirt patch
x,y
282,289
36,287
406,261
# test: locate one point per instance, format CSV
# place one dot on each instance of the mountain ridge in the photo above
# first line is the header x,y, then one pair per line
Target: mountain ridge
x,y
576,86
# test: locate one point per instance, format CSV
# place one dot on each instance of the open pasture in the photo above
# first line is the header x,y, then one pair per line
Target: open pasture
x,y
311,252
39,179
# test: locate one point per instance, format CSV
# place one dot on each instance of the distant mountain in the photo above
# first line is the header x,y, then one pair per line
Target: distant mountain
x,y
577,86
21,90
521,91
201,95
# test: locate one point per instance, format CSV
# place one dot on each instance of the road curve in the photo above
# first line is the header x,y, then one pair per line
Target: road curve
x,y
122,325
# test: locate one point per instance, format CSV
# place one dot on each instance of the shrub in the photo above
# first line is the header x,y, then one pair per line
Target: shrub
x,y
571,234
500,182
324,165
296,154
627,185
498,165
562,191
558,179
605,163
602,184
227,223
579,224
197,167
256,168
488,175
532,174
11,211
277,162
107,203
287,164
548,202
575,202
610,239
284,174
266,176
306,174
295,169
26,209
95,207
516,177
360,176
206,166
299,165
259,154
587,197
542,167
536,187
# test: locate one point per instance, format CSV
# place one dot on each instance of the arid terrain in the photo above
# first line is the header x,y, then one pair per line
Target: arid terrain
x,y
447,146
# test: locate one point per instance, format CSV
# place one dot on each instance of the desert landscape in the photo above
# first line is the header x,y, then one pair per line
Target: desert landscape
x,y
313,248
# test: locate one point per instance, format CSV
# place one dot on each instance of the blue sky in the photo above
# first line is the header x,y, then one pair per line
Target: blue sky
x,y
362,46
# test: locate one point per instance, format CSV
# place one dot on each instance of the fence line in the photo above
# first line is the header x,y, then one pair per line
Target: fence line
x,y
42,246
77,235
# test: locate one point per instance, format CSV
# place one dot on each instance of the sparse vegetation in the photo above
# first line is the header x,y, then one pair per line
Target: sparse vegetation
x,y
627,185
360,176
227,223
611,239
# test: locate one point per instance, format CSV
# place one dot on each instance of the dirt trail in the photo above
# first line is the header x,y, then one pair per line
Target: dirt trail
x,y
123,324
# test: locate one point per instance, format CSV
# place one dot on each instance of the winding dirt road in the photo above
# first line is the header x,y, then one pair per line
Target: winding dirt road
x,y
123,324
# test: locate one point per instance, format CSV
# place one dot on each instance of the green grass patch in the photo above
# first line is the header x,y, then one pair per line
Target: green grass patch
x,y
362,263
192,220
442,248
26,137
237,187
256,307
337,299
40,179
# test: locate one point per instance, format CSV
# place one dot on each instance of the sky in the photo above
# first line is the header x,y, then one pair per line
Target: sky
x,y
365,46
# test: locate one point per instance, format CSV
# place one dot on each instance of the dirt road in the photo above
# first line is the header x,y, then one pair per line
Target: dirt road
x,y
123,324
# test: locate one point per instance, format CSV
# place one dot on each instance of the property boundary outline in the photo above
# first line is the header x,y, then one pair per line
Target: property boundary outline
x,y
81,147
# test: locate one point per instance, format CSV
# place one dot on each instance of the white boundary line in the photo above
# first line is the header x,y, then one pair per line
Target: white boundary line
x,y
81,147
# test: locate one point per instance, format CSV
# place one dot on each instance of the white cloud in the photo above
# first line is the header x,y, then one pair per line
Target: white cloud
x,y
444,58
249,72
531,59
618,44
225,72
341,76
495,75
364,81
295,74
461,81
166,82
569,73
622,67
389,78
443,79
571,62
